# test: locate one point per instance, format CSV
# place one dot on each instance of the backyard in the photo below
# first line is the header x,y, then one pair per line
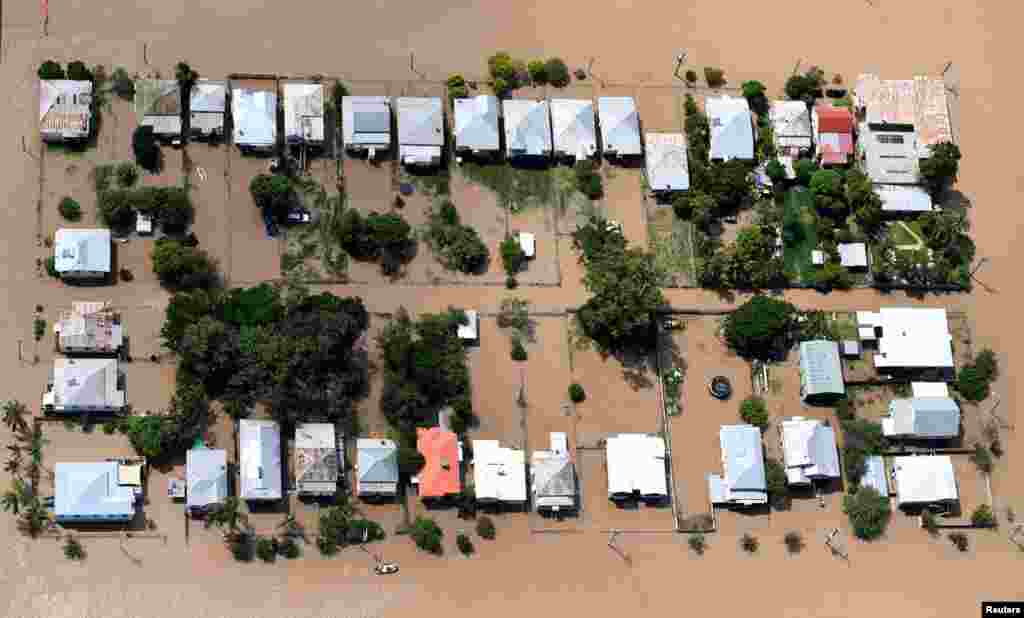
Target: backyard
x,y
671,240
799,235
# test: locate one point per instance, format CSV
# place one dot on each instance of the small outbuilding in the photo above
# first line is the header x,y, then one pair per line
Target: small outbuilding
x,y
206,471
376,468
476,125
499,474
875,476
931,418
574,128
620,127
636,468
82,254
317,459
743,482
420,131
366,124
904,199
470,331
527,128
259,443
666,164
732,128
922,480
93,492
808,451
853,254
821,373
528,243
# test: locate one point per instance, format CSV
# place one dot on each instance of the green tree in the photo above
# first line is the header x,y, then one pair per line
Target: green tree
x,y
695,206
749,543
506,74
940,170
14,416
457,87
804,170
805,87
714,77
122,84
982,457
512,256
588,179
266,548
228,515
538,72
185,308
73,549
485,528
557,72
827,188
775,476
775,171
127,174
576,393
864,201
794,541
181,267
146,149
514,314
697,543
983,517
754,411
77,71
972,384
69,209
760,328
465,544
116,209
730,182
50,69
273,194
868,512
518,350
427,535
753,92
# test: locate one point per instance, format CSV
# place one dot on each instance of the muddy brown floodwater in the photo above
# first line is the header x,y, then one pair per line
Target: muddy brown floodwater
x,y
631,45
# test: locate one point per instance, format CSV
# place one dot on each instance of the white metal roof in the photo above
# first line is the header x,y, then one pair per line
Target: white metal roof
x,y
420,121
809,450
366,122
303,111
890,155
925,478
206,470
874,475
316,457
528,243
260,467
498,473
732,132
923,417
929,389
573,127
91,491
527,127
667,167
636,462
620,126
470,331
254,113
853,254
376,467
81,384
904,198
476,123
743,481
82,251
208,96
791,124
914,338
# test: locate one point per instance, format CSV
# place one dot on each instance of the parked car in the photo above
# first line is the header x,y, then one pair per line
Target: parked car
x,y
298,215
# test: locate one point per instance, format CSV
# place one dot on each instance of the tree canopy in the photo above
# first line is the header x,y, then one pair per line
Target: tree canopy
x,y
761,328
940,170
827,188
273,194
179,266
868,511
146,149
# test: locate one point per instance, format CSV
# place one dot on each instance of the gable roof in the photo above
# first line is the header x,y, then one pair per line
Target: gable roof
x,y
207,476
732,134
791,124
573,127
833,119
366,121
853,254
809,450
208,96
65,107
923,417
919,103
527,127
82,250
554,475
665,157
260,461
620,126
476,123
377,461
254,113
498,473
84,384
636,463
91,491
923,479
316,454
440,474
420,121
303,111
89,327
820,369
160,97
743,463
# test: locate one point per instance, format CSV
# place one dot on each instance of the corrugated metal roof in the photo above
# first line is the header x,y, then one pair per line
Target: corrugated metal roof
x,y
732,133
440,474
366,121
573,127
255,117
82,251
620,126
91,492
377,461
527,127
820,369
667,166
476,123
65,108
303,112
207,476
260,466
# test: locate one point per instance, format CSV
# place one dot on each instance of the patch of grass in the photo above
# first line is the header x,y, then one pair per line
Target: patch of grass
x,y
845,325
518,189
797,255
899,234
670,239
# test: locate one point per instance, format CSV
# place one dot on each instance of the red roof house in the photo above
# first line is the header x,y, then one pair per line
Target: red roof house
x,y
835,134
440,474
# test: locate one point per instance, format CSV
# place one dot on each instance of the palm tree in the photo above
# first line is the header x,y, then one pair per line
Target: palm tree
x,y
14,416
35,519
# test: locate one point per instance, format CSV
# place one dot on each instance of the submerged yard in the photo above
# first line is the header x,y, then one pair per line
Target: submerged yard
x,y
671,240
800,235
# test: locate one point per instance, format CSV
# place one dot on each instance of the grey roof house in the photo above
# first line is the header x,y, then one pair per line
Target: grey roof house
x,y
84,385
259,444
574,128
476,125
65,110
366,124
303,112
732,129
420,130
317,461
553,481
254,114
743,482
667,167
808,450
922,417
527,128
376,468
158,105
92,492
620,127
206,472
207,105
821,374
82,253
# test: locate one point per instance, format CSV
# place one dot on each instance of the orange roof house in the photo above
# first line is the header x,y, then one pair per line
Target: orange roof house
x,y
440,475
